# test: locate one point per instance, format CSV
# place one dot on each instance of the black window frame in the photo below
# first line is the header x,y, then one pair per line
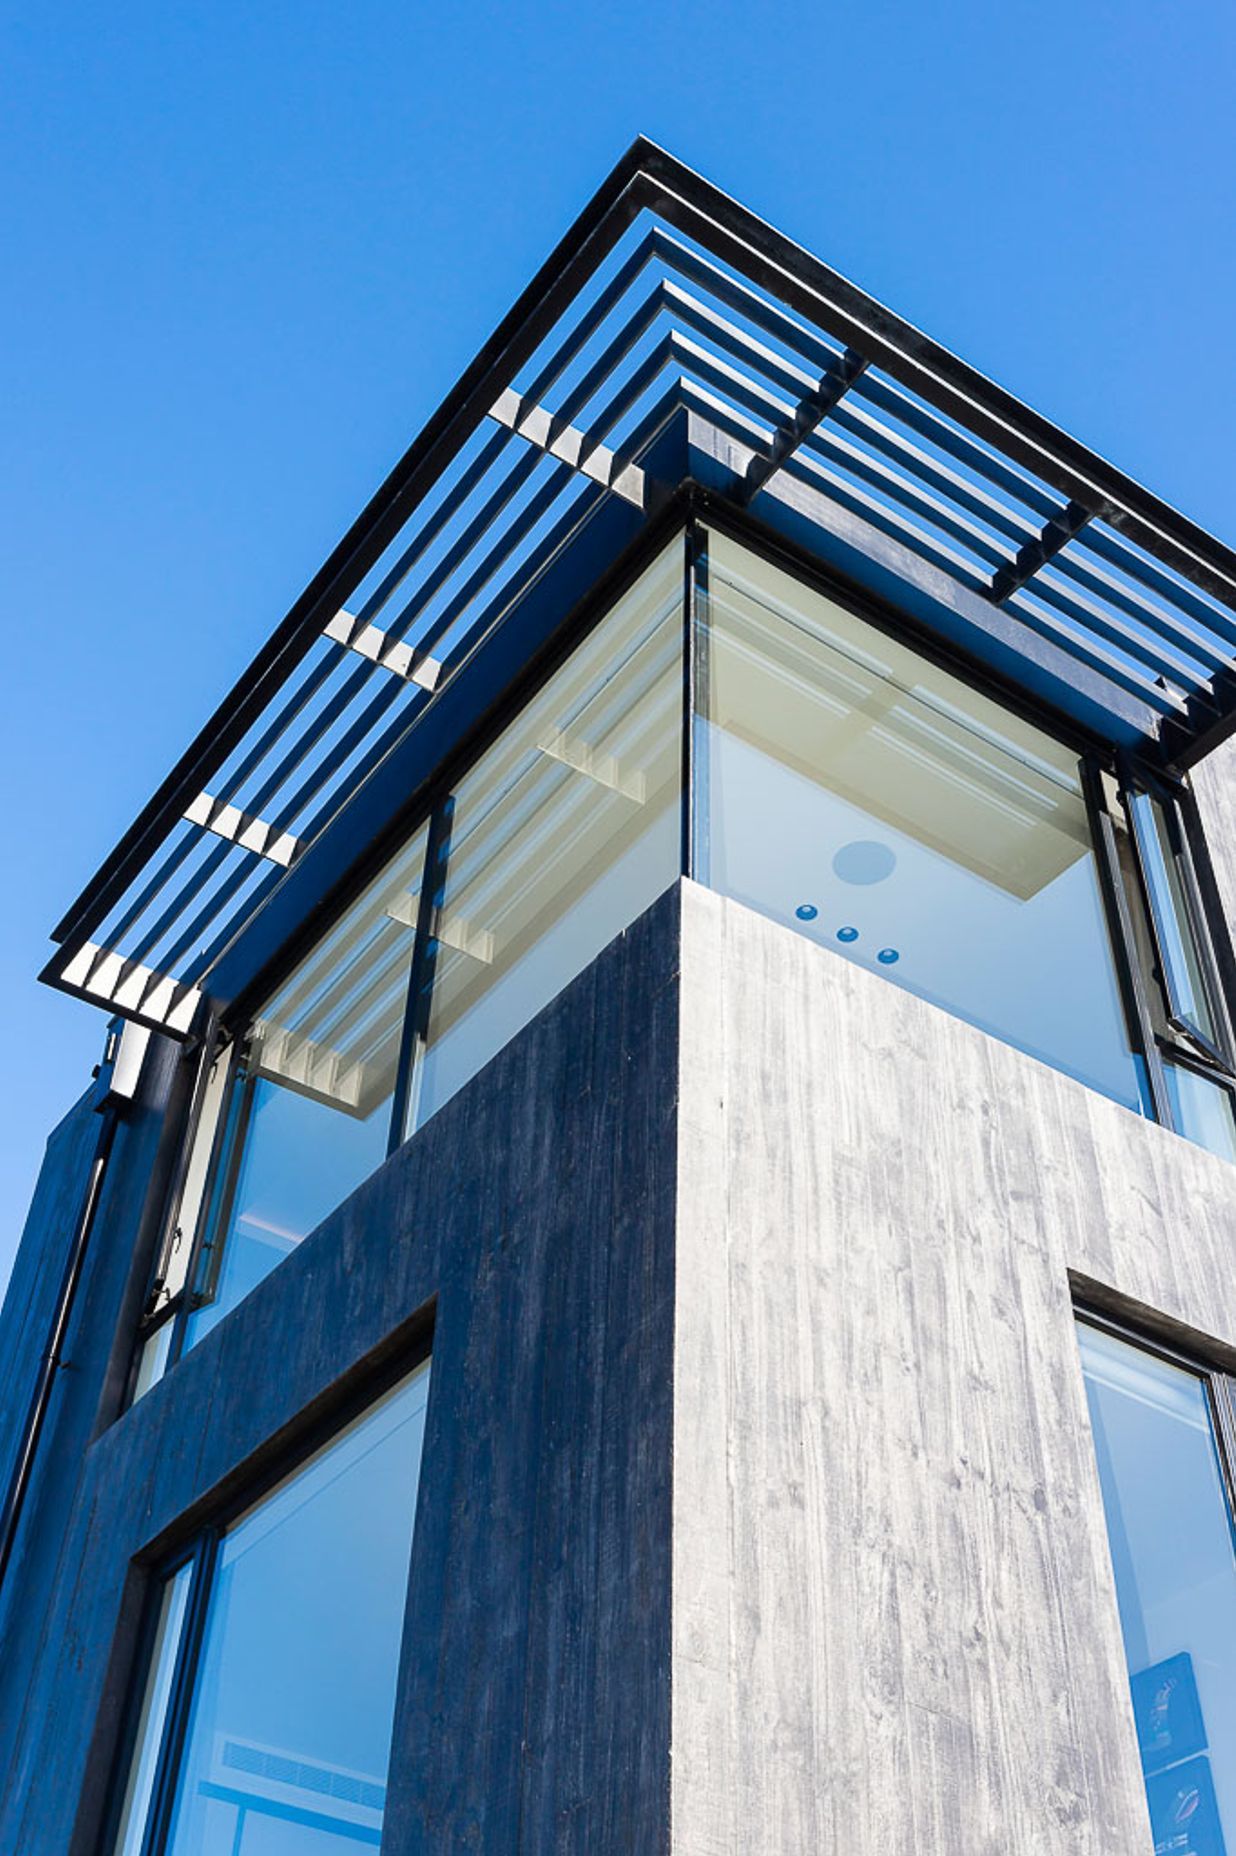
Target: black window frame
x,y
1109,777
199,1550
1175,1039
1202,1363
1195,1358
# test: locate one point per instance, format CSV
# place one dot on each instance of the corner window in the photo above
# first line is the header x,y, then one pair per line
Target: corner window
x,y
839,781
558,837
880,806
1167,1499
265,1723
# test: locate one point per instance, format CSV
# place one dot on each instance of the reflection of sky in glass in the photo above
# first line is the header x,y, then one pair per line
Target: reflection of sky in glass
x,y
1201,1110
1169,1530
154,1714
563,833
301,1159
1036,972
289,1737
1179,952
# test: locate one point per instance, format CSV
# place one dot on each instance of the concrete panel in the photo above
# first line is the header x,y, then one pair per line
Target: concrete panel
x,y
895,1626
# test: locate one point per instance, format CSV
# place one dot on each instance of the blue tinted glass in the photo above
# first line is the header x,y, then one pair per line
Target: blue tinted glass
x,y
1201,1110
878,805
289,1732
310,1116
1172,1554
1181,958
564,832
153,1717
300,1158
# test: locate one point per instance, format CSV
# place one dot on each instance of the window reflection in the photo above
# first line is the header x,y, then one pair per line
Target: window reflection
x,y
310,1111
877,804
1183,971
560,836
1202,1110
1169,1529
287,1736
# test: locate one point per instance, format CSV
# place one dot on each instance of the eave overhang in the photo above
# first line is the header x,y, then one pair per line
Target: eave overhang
x,y
673,342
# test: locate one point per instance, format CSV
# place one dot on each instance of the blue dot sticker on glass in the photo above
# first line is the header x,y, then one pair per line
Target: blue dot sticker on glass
x,y
888,956
865,861
806,911
847,934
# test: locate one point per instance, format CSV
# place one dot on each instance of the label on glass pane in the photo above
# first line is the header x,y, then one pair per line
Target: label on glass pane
x,y
1184,1815
1168,1712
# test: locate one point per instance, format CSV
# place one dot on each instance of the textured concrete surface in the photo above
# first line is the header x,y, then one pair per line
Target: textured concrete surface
x,y
759,1509
895,1626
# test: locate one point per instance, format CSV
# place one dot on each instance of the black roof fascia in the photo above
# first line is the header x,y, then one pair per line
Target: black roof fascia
x,y
648,177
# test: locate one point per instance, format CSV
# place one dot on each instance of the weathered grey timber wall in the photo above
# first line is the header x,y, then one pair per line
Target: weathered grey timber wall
x,y
530,1225
895,1626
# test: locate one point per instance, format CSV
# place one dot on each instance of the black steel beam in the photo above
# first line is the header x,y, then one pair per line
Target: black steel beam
x,y
810,412
647,178
1056,534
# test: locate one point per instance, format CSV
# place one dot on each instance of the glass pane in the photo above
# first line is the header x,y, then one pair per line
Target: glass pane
x,y
561,834
152,1361
311,1108
873,802
1172,1554
1201,1109
1183,974
289,1732
153,1716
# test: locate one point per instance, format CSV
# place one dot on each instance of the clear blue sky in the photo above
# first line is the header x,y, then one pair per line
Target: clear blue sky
x,y
247,249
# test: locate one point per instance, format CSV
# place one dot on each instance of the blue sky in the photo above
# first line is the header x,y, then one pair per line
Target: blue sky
x,y
247,249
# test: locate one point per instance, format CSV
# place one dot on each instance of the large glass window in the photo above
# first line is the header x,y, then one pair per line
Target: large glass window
x,y
311,1098
867,798
564,832
265,1727
1169,1526
561,833
841,782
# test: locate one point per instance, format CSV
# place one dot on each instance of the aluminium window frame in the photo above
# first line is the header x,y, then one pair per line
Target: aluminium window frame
x,y
198,1549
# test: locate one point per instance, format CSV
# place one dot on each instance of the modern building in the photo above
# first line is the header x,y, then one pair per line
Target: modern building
x,y
649,1263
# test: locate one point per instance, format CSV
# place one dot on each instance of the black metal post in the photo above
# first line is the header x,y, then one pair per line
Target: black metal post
x,y
49,1364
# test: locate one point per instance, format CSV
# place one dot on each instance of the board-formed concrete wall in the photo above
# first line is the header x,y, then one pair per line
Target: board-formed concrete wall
x,y
759,1508
894,1622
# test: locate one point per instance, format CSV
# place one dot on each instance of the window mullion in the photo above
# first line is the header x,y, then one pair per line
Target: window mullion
x,y
1199,920
217,1191
175,1726
1132,980
420,975
694,670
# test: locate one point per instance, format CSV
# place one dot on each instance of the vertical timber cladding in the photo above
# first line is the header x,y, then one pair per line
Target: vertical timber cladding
x,y
895,1626
85,1390
532,1219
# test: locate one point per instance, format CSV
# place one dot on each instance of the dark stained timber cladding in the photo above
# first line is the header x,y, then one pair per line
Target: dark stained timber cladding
x,y
530,1224
84,1383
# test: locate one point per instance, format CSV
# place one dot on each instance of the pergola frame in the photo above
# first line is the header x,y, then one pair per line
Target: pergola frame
x,y
1065,561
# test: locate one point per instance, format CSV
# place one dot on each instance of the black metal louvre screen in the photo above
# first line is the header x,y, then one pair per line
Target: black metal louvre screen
x,y
644,308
